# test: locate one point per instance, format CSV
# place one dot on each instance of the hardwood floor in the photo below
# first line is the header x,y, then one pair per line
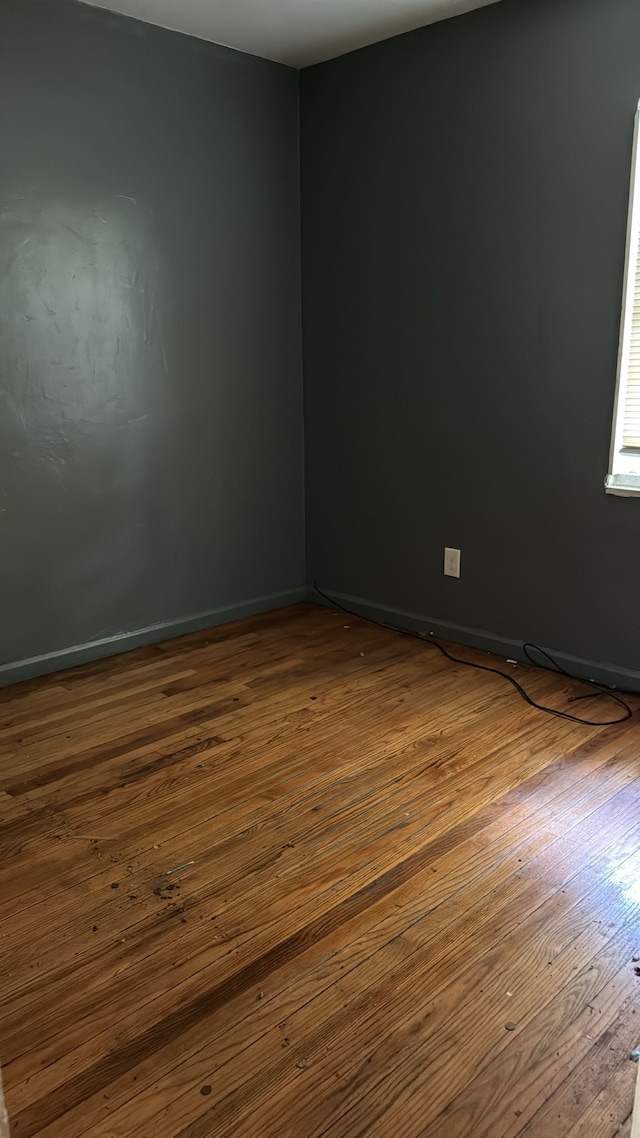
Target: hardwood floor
x,y
406,903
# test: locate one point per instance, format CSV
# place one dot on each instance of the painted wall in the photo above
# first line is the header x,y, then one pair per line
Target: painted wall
x,y
464,202
151,444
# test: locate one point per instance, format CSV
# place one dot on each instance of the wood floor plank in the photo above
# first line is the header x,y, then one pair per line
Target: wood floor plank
x,y
311,1050
468,858
555,1045
101,820
381,1093
340,961
611,1108
473,922
242,870
379,836
605,1044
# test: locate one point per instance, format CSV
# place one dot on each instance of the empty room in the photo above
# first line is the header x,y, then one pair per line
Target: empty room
x,y
319,564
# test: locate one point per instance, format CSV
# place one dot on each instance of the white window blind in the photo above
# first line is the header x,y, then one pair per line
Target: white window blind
x,y
631,433
624,466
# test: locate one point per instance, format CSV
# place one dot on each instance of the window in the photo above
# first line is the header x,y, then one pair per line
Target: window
x,y
624,464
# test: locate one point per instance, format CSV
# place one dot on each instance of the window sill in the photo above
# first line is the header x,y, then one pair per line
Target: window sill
x,y
624,485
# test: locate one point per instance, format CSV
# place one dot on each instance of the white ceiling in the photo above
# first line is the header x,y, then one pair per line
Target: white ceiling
x,y
297,32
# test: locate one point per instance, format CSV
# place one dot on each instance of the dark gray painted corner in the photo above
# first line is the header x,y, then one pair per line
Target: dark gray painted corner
x,y
464,203
151,443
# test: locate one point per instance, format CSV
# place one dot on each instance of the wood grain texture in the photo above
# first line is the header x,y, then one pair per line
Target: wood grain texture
x,y
387,858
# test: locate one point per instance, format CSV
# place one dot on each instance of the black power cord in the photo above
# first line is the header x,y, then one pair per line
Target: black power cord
x,y
596,689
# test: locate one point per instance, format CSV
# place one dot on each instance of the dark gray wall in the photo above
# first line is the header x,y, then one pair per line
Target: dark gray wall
x,y
151,445
464,202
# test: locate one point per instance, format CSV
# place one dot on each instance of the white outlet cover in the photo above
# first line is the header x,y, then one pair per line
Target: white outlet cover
x,y
451,562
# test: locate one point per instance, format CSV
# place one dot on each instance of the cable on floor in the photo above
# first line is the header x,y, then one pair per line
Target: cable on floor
x,y
596,690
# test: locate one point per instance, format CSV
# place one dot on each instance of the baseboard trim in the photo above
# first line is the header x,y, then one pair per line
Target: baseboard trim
x,y
610,674
12,673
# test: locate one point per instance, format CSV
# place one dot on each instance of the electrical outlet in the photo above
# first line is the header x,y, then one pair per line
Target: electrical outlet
x,y
451,562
